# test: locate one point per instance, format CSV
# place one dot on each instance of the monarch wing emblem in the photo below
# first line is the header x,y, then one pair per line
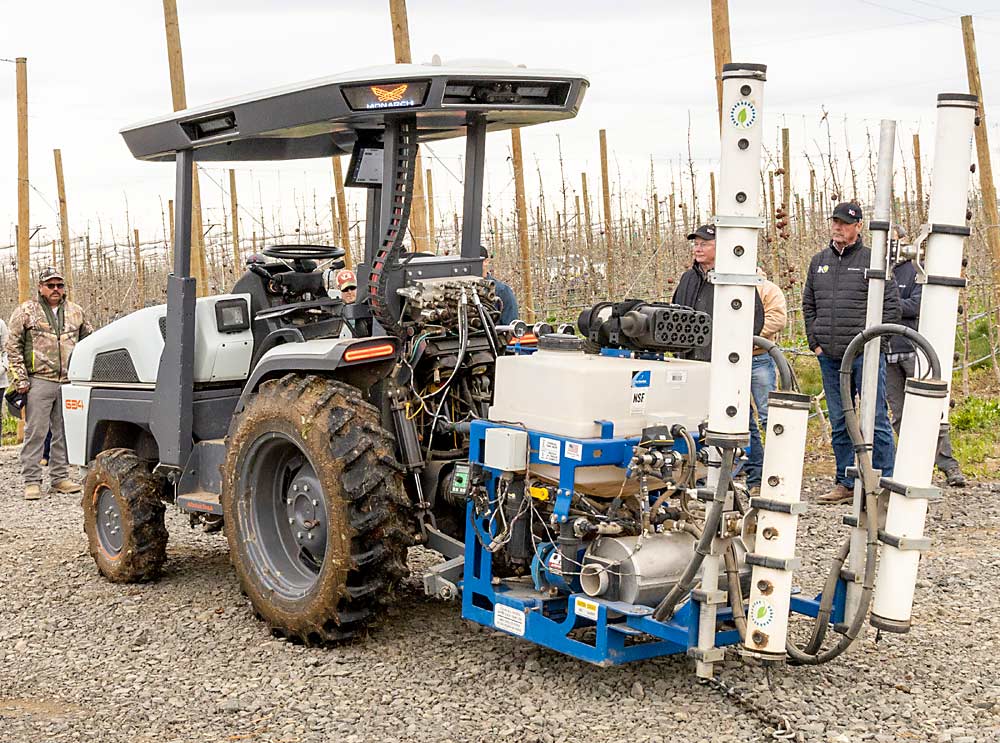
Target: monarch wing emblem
x,y
389,95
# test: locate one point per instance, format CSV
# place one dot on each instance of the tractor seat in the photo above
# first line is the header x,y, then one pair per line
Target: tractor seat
x,y
254,285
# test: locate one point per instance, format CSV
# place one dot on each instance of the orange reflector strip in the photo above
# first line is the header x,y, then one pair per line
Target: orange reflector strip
x,y
370,352
527,339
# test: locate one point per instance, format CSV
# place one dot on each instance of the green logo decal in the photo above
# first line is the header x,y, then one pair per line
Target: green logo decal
x,y
762,613
743,115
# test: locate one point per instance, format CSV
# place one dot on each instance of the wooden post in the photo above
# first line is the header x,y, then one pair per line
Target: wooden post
x,y
67,261
23,216
234,208
140,284
986,185
586,217
606,189
431,234
175,61
54,261
723,49
711,185
920,179
345,225
786,177
522,224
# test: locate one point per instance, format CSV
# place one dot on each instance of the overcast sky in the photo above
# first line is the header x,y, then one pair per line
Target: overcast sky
x,y
94,67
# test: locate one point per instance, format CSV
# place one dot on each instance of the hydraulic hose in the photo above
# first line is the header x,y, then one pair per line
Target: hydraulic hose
x,y
665,609
735,591
786,377
870,485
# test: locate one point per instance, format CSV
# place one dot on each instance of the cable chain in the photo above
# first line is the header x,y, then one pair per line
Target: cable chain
x,y
783,729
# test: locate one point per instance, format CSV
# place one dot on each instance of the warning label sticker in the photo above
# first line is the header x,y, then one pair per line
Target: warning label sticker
x,y
574,450
586,608
548,450
641,382
508,619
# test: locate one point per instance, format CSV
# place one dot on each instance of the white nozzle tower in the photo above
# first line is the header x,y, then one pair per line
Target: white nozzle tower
x,y
926,402
735,278
773,557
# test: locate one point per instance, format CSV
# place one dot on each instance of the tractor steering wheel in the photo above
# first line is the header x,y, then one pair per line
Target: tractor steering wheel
x,y
304,252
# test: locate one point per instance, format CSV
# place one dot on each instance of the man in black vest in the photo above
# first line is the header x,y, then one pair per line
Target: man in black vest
x,y
696,291
834,305
901,364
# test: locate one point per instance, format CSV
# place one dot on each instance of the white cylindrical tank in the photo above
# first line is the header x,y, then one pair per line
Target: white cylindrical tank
x,y
926,401
777,524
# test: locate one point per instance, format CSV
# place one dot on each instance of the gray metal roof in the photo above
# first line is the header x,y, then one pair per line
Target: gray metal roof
x,y
318,119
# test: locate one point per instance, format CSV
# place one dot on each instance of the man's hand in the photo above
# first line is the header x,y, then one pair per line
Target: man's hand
x,y
818,350
23,386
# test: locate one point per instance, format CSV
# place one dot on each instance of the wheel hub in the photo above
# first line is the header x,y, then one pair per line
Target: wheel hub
x,y
288,512
109,521
307,515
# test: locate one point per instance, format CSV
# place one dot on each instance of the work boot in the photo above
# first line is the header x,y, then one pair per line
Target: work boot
x,y
32,492
955,478
840,494
66,486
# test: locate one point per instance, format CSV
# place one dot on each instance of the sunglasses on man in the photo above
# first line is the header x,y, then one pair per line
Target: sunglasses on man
x,y
54,286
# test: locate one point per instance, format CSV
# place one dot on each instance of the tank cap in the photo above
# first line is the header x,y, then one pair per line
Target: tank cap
x,y
560,342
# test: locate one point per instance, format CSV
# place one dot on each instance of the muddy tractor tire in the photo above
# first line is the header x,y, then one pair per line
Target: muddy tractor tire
x,y
315,514
123,517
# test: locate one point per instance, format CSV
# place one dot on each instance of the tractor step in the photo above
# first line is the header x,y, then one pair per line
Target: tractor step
x,y
201,502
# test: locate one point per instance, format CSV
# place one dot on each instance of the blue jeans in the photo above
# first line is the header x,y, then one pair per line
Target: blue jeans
x,y
884,451
762,381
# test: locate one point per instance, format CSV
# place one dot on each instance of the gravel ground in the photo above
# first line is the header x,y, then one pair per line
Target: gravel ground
x,y
184,659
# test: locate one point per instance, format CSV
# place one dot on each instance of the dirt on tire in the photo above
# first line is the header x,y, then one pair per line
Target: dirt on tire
x,y
368,531
144,535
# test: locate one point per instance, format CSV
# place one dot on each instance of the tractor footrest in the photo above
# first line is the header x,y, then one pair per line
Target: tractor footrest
x,y
202,502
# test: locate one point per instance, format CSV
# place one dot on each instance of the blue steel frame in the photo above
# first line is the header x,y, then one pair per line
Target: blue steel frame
x,y
622,632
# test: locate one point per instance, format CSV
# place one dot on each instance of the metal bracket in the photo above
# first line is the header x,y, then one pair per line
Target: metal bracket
x,y
749,223
707,655
709,598
929,493
775,563
849,576
914,544
734,279
777,506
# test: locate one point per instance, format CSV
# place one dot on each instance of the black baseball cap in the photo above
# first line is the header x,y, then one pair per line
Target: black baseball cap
x,y
705,232
847,211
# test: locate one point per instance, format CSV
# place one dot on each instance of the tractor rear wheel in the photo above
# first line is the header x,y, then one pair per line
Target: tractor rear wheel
x,y
314,509
123,517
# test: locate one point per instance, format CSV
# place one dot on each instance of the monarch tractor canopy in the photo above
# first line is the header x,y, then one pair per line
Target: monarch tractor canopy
x,y
377,116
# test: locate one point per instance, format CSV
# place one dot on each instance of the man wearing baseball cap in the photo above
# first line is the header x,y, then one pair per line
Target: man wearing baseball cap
x,y
43,333
696,291
835,308
347,282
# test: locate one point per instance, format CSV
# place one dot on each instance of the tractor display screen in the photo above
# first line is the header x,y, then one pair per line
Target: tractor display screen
x,y
232,315
365,168
386,95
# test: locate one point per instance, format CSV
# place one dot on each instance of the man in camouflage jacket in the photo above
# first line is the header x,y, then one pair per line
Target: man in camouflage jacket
x,y
43,333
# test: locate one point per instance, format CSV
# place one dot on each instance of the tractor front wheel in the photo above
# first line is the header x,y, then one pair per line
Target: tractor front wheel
x,y
123,517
